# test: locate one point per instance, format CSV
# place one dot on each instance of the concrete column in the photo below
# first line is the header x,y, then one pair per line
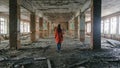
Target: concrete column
x,y
76,27
51,28
7,26
109,26
69,28
48,28
96,24
103,28
66,32
33,26
14,24
85,28
41,27
37,30
82,27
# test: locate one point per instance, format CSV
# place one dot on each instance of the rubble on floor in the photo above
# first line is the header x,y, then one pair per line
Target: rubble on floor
x,y
73,55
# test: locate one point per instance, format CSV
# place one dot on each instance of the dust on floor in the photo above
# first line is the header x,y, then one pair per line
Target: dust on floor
x,y
73,55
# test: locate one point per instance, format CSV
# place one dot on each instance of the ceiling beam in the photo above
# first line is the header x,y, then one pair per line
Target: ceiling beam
x,y
86,6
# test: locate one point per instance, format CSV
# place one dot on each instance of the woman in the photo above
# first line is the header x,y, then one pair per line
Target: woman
x,y
58,37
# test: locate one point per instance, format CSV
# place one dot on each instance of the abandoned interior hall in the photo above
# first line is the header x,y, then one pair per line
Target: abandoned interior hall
x,y
90,28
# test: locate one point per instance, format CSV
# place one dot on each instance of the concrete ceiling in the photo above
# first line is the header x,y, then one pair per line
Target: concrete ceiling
x,y
58,10
54,10
110,6
4,6
61,10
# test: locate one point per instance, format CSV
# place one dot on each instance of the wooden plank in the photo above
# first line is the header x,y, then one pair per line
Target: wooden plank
x,y
49,64
79,63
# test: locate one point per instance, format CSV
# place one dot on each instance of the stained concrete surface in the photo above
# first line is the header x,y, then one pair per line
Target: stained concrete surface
x,y
74,54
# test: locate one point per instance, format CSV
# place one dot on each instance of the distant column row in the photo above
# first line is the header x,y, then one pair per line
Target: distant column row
x,y
77,25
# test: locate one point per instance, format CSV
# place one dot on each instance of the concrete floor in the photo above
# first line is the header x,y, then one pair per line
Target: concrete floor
x,y
73,55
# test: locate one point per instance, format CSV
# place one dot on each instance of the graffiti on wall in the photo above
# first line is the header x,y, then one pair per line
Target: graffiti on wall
x,y
44,25
72,26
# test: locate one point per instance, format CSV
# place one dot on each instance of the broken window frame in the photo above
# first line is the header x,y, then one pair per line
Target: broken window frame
x,y
88,27
3,25
102,25
24,27
106,26
119,25
113,25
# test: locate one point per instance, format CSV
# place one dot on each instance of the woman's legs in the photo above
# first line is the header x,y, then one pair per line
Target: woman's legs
x,y
59,46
